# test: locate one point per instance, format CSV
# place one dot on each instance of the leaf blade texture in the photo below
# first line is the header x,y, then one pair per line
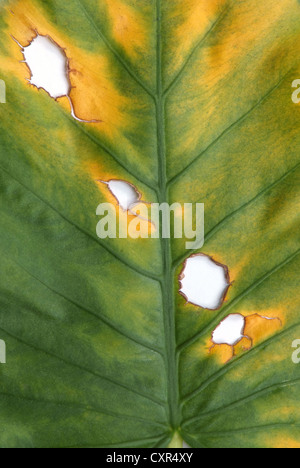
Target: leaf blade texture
x,y
191,102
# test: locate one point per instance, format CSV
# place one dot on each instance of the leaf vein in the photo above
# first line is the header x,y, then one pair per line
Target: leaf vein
x,y
194,50
236,362
219,225
243,400
125,65
235,301
101,317
228,130
99,242
86,370
91,409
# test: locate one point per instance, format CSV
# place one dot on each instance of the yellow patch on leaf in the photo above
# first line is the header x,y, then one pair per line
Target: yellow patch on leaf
x,y
99,172
196,18
226,55
259,328
129,29
93,94
283,443
223,353
218,59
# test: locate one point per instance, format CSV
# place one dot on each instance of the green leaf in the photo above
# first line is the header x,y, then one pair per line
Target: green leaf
x,y
193,103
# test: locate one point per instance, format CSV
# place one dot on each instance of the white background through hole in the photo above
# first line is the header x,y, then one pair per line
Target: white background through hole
x,y
124,193
230,330
204,283
48,65
49,68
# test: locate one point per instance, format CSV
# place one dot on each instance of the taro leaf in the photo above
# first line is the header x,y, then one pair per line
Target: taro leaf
x,y
194,98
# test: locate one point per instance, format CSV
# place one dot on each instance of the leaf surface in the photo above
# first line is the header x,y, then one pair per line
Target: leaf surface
x,y
193,103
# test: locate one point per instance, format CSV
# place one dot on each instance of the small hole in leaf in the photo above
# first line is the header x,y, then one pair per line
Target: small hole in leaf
x,y
128,198
125,193
237,330
204,282
230,331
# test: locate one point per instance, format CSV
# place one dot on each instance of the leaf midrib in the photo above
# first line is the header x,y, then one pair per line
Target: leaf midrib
x,y
167,284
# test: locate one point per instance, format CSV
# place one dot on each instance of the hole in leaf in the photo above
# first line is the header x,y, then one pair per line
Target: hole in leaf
x,y
128,198
230,331
236,330
204,282
49,68
125,193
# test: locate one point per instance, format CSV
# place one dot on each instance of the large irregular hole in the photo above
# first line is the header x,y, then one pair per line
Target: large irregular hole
x,y
48,65
204,282
49,68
